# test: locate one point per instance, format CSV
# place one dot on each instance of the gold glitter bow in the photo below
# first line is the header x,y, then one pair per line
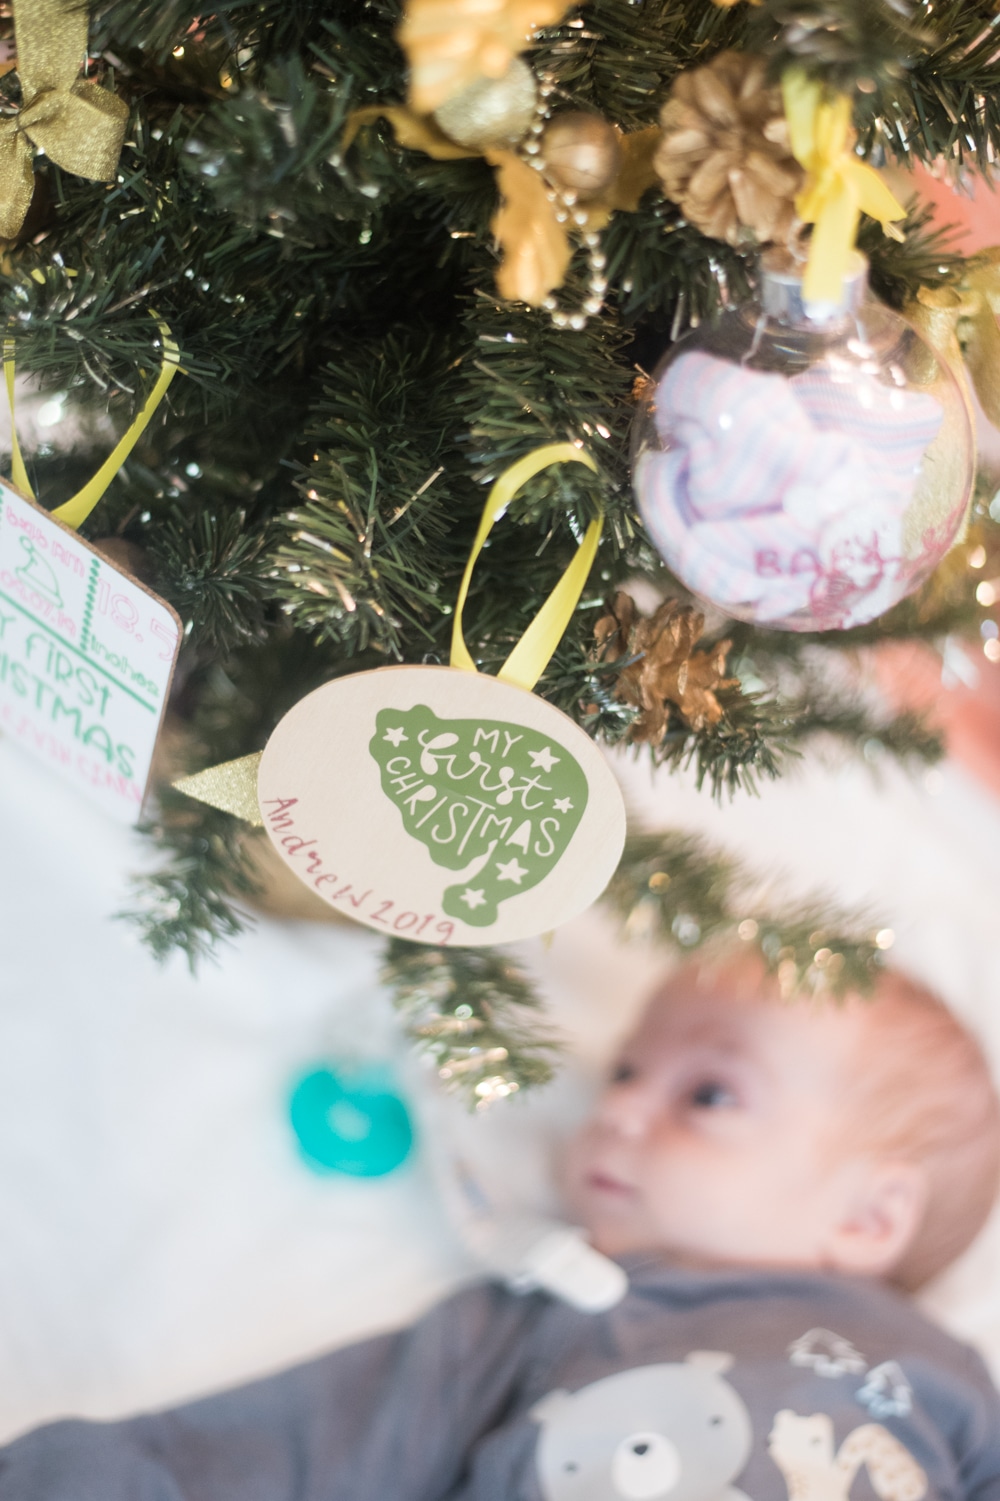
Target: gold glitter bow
x,y
78,125
960,323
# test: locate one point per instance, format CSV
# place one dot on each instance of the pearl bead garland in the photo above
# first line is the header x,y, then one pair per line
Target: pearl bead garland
x,y
566,209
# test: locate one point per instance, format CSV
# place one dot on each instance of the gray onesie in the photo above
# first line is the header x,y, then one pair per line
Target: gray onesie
x,y
699,1386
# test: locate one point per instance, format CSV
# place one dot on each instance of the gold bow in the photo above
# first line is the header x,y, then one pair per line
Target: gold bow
x,y
960,323
78,125
838,187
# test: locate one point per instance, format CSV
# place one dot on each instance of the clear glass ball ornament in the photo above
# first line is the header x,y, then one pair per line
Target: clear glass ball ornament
x,y
803,466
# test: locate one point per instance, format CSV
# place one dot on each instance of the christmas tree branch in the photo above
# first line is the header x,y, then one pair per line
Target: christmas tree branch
x,y
307,495
474,1014
673,888
193,903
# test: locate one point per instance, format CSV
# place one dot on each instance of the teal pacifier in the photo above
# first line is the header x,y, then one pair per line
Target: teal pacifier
x,y
350,1122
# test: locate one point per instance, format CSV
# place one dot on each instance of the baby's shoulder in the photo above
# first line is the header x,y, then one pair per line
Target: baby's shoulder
x,y
821,1335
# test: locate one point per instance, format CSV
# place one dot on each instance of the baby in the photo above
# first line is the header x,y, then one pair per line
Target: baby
x,y
770,1174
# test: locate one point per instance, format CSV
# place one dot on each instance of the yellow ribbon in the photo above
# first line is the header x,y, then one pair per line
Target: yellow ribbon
x,y
532,653
79,506
838,187
78,125
232,786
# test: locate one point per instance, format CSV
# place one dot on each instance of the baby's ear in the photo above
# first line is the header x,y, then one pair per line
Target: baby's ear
x,y
883,1214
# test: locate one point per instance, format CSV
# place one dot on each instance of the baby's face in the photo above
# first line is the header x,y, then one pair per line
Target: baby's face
x,y
716,1139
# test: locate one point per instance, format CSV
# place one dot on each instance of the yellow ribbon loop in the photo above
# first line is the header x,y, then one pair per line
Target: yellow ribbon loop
x,y
838,187
79,506
233,785
532,653
78,125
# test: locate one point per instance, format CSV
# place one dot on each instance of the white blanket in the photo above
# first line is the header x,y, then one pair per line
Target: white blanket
x,y
159,1235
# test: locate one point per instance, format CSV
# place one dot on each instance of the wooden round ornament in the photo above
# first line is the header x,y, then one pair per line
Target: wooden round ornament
x,y
441,805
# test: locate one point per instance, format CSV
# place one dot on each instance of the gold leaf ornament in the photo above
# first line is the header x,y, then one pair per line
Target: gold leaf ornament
x,y
534,245
450,44
635,174
78,125
454,47
637,170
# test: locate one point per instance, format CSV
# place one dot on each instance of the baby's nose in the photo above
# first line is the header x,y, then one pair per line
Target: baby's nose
x,y
628,1109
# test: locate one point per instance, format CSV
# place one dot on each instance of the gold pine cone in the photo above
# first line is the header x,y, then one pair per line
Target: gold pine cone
x,y
724,157
666,668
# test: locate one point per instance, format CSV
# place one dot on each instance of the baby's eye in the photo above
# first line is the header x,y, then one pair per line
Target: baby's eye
x,y
623,1073
710,1094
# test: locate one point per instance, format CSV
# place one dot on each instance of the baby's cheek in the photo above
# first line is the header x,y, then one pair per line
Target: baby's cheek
x,y
575,1163
694,1181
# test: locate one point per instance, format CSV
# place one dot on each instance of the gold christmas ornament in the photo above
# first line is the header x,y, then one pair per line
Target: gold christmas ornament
x,y
725,157
666,670
491,111
450,44
582,154
533,222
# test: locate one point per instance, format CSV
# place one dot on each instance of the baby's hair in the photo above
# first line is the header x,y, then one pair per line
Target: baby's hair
x,y
923,1094
926,1095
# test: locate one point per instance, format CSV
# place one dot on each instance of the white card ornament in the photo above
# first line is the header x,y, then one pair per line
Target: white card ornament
x,y
86,658
86,651
436,803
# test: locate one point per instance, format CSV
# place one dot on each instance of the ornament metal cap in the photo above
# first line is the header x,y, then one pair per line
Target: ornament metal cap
x,y
781,290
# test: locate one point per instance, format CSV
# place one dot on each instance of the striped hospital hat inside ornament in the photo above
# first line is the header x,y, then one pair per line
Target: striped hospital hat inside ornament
x,y
803,466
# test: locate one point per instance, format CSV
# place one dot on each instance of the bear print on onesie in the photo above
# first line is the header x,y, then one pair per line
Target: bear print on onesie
x,y
677,1430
